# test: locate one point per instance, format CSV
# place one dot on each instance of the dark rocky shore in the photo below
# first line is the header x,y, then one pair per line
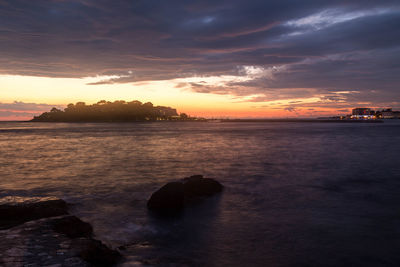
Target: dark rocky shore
x,y
39,232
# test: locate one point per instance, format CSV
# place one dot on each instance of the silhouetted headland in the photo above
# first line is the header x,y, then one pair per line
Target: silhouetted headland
x,y
117,111
136,111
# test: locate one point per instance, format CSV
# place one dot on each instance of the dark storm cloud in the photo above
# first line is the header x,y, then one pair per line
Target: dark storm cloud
x,y
324,46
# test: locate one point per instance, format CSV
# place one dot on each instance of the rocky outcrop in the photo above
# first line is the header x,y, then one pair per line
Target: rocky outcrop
x,y
36,243
72,227
60,241
95,252
174,196
197,186
17,210
168,199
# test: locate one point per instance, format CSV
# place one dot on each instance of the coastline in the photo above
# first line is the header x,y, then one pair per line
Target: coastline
x,y
217,120
304,120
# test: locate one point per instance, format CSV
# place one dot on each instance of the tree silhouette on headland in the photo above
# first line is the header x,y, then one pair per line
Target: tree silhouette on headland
x,y
117,111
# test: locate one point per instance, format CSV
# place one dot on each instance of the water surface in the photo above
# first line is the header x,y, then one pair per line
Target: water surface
x,y
296,194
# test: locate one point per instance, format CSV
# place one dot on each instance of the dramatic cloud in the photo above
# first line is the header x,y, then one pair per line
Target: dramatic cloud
x,y
262,50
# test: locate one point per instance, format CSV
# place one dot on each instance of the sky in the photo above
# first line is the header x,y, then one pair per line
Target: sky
x,y
222,59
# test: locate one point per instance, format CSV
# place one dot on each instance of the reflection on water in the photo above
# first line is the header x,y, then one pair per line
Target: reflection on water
x,y
297,194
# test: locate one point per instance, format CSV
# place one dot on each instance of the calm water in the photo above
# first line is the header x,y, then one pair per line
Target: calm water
x,y
296,194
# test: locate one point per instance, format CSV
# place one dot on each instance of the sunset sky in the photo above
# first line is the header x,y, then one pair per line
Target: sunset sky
x,y
215,58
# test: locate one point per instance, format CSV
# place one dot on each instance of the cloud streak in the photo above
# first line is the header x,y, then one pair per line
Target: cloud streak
x,y
22,111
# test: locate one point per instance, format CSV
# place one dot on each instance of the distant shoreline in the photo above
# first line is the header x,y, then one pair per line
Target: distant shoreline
x,y
302,120
214,120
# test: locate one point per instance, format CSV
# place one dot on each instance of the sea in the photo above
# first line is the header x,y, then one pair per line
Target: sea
x,y
295,193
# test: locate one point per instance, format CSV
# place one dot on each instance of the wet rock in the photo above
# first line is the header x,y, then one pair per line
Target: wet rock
x,y
38,232
169,199
34,245
75,261
96,253
45,248
197,186
15,252
72,227
91,250
17,210
172,197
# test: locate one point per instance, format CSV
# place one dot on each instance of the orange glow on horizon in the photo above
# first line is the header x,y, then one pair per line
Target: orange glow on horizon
x,y
62,91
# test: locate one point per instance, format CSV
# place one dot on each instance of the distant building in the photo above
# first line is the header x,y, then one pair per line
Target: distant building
x,y
387,114
368,114
362,111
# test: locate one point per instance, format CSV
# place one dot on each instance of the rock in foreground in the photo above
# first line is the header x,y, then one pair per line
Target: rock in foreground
x,y
174,196
197,186
36,235
168,199
95,252
72,227
17,210
36,243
